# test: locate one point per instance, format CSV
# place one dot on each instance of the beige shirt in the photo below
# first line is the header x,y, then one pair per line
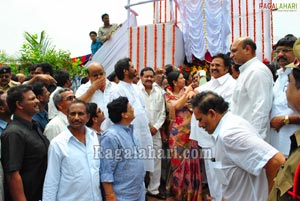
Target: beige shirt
x,y
105,31
10,85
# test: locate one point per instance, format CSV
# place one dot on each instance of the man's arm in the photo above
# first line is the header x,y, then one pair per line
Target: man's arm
x,y
15,185
109,192
97,84
272,168
45,78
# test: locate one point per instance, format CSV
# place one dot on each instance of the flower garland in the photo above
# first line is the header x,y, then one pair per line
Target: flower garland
x,y
155,46
138,49
130,42
145,46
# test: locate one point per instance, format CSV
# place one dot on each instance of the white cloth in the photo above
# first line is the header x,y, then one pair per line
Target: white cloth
x,y
100,98
281,140
56,125
223,86
156,113
52,110
252,96
241,155
141,122
206,26
73,169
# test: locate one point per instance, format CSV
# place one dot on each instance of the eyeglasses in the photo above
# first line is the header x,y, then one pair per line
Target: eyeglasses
x,y
285,50
70,98
98,73
4,76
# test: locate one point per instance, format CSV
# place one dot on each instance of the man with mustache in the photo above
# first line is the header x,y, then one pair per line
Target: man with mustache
x,y
282,117
73,169
156,113
223,84
24,147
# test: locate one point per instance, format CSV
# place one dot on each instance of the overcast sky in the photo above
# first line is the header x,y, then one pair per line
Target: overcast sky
x,y
68,22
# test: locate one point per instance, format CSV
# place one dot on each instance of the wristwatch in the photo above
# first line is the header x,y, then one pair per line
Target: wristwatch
x,y
286,120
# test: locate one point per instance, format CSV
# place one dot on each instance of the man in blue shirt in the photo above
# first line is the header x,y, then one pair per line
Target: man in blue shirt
x,y
96,43
121,170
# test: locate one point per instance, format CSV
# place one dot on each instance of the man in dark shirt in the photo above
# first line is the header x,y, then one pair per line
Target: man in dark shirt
x,y
24,148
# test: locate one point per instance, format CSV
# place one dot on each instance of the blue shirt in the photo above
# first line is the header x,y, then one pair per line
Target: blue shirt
x,y
73,169
3,125
95,46
120,165
41,118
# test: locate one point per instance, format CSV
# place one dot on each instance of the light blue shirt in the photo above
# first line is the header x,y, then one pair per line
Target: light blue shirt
x,y
3,125
120,165
73,169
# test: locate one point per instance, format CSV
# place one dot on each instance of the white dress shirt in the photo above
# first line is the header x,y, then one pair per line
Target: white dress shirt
x,y
57,125
224,87
73,169
241,155
252,96
281,140
141,122
100,98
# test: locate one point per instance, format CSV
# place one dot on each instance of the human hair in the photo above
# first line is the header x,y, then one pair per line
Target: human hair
x,y
93,32
32,67
92,110
172,76
250,42
146,69
287,40
111,76
207,100
57,97
121,65
46,68
15,94
84,80
226,59
61,77
169,68
116,108
104,15
37,88
296,74
78,101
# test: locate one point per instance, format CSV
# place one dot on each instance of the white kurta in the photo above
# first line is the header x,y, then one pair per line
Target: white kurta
x,y
100,98
156,113
241,155
141,122
281,140
223,86
252,96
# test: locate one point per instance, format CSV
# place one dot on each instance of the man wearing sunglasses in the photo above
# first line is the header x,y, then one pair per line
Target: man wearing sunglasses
x,y
62,100
5,79
281,126
97,90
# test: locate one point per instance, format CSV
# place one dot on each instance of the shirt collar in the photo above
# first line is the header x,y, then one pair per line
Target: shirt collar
x,y
247,64
221,80
69,135
216,133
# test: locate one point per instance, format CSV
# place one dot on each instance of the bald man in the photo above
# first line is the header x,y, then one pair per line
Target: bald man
x,y
98,90
252,96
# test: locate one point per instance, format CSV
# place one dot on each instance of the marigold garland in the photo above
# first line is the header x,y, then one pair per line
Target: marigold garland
x,y
130,42
155,46
138,50
145,46
254,20
163,44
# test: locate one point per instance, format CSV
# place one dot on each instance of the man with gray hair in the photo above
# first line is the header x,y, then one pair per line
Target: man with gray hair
x,y
62,100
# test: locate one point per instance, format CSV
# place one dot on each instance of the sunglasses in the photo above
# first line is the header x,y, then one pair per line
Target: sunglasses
x,y
70,98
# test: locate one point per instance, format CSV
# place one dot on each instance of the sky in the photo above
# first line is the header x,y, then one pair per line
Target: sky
x,y
68,23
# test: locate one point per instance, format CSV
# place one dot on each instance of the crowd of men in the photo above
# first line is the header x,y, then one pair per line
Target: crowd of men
x,y
98,142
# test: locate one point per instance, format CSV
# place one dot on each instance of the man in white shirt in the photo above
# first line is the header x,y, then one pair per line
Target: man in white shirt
x,y
126,73
62,100
223,84
281,115
245,165
73,169
252,96
156,113
97,90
